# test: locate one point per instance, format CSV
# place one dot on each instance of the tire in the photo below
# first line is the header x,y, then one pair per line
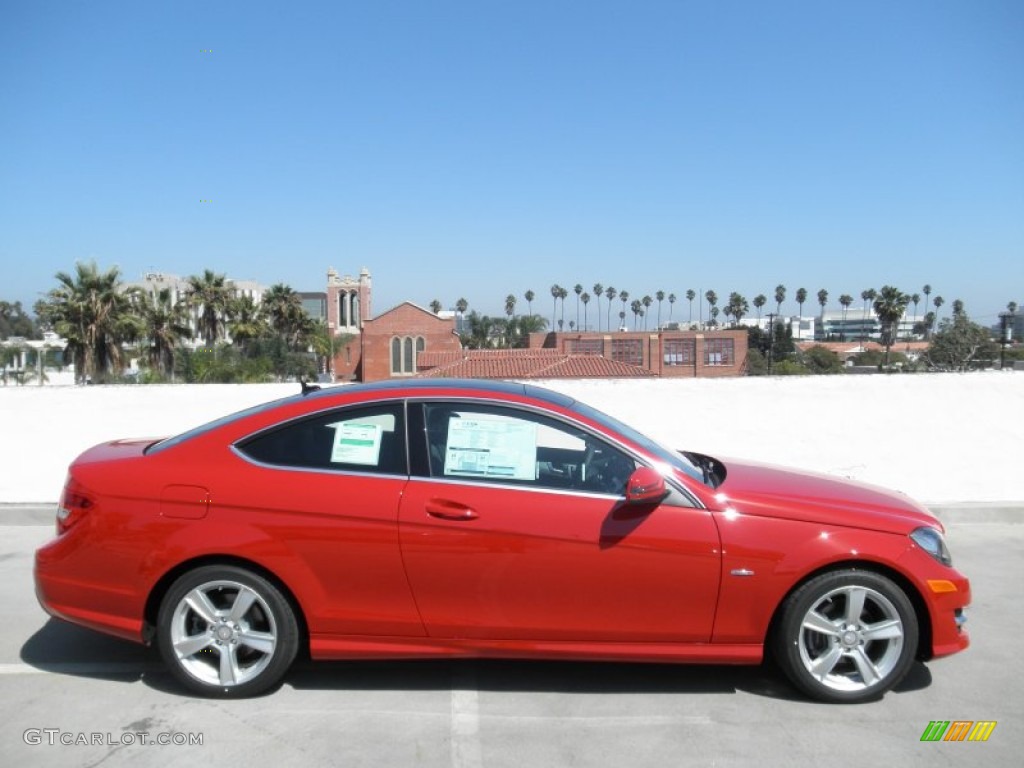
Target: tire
x,y
847,636
226,632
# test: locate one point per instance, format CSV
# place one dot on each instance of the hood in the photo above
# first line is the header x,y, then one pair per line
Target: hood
x,y
768,491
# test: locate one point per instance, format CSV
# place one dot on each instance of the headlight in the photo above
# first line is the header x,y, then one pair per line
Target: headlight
x,y
931,541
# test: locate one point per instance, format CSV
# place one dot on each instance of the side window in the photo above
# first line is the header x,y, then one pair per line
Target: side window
x,y
509,446
361,439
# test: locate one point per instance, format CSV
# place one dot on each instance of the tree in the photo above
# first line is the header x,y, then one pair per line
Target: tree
x,y
890,304
585,298
823,300
845,301
671,305
462,305
690,296
556,292
164,327
94,314
801,297
958,307
635,306
247,322
14,322
915,300
738,306
868,296
759,301
780,296
529,296
610,294
623,297
282,307
821,360
510,305
927,291
660,296
209,295
578,290
562,293
937,302
958,343
712,299
598,290
646,301
436,306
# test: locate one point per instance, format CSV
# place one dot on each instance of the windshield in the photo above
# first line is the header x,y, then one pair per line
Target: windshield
x,y
666,454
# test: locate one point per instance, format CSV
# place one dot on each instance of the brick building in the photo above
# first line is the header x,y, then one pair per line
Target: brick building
x,y
409,340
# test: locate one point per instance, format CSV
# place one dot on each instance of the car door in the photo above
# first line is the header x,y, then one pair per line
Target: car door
x,y
514,526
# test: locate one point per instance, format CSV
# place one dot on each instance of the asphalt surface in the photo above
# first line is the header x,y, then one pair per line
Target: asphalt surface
x,y
58,682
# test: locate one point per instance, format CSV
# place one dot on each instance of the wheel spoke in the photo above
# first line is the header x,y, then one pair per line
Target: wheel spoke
x,y
884,630
855,604
868,672
815,622
228,665
189,646
258,641
243,602
200,603
824,664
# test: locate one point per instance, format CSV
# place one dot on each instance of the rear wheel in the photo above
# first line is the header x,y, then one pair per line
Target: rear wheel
x,y
227,632
847,636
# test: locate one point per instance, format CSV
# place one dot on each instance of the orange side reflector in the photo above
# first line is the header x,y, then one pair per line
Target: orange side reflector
x,y
941,585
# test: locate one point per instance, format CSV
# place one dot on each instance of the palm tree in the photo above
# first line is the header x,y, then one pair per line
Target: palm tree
x,y
915,299
283,309
598,291
556,291
780,296
712,299
164,327
671,305
462,305
647,301
562,293
958,307
635,306
510,306
738,306
938,301
691,295
585,298
759,301
867,295
660,296
90,310
623,297
927,291
610,293
845,301
801,297
529,296
577,289
890,304
436,306
209,296
247,322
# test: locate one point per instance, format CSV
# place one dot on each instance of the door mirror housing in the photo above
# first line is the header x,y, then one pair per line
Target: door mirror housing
x,y
645,486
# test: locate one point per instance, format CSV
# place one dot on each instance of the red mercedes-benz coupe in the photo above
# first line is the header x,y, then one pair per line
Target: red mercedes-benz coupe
x,y
452,518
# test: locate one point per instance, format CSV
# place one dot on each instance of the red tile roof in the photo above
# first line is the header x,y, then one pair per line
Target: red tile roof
x,y
522,364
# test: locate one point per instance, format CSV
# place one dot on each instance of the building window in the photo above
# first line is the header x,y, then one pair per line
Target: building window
x,y
586,346
719,352
628,351
679,352
404,352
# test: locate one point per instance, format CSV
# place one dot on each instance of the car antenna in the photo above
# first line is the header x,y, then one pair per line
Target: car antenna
x,y
307,387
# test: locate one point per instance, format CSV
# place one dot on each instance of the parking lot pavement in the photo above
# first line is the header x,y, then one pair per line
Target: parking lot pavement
x,y
58,682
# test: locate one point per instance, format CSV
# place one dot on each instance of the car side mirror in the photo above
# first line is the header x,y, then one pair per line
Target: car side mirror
x,y
645,485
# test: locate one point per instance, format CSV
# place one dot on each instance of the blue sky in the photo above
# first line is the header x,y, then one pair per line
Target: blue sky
x,y
477,149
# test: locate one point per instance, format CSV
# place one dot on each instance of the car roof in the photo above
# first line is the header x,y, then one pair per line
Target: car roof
x,y
417,387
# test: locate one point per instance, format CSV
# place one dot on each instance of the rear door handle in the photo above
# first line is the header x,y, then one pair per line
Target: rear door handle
x,y
450,510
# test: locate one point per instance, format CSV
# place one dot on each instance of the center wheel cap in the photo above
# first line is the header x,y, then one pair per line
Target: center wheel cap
x,y
224,633
849,638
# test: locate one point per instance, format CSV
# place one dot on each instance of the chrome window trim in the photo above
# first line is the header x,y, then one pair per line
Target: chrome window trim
x,y
316,470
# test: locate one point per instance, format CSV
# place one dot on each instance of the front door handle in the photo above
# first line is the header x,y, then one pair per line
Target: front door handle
x,y
450,510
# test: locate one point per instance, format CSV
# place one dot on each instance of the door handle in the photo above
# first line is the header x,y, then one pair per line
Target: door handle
x,y
450,510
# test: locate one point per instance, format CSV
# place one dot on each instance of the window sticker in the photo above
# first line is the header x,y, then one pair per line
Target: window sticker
x,y
491,448
356,443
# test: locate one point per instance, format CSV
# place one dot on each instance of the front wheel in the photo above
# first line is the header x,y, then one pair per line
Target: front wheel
x,y
847,636
226,632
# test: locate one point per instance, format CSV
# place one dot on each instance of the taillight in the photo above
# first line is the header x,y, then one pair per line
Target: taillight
x,y
74,504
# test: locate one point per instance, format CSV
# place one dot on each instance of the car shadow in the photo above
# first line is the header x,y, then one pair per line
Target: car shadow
x,y
65,649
